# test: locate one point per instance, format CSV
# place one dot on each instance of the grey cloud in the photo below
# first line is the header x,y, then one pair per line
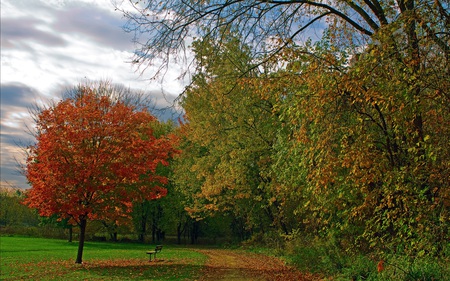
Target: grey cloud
x,y
17,32
87,21
11,176
16,98
15,137
96,24
17,94
9,170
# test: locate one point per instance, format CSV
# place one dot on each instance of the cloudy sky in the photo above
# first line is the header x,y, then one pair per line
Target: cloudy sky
x,y
50,45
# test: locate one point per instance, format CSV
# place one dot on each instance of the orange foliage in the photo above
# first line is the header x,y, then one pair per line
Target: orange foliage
x,y
94,158
380,266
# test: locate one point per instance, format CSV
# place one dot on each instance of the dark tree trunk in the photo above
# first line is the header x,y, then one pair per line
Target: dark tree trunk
x,y
70,233
83,223
179,232
194,232
143,229
153,233
159,235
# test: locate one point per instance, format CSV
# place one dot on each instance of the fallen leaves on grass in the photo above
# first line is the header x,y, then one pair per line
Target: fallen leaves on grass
x,y
240,265
118,269
221,265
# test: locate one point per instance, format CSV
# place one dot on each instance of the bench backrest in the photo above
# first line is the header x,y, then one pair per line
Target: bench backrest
x,y
158,248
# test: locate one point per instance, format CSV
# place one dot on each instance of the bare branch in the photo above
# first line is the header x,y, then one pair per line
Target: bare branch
x,y
164,29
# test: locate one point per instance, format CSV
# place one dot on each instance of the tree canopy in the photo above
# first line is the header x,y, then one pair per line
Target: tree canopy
x,y
94,158
355,123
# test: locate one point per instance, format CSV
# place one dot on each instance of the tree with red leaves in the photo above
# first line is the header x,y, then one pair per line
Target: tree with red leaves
x,y
95,156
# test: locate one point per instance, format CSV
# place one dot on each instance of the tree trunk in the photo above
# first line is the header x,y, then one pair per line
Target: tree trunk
x,y
70,233
179,233
194,232
153,233
83,224
143,229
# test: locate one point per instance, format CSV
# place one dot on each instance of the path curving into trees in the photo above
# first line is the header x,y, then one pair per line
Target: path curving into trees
x,y
240,265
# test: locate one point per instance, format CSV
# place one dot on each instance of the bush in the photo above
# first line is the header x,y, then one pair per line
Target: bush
x,y
34,231
271,240
327,257
314,254
359,268
423,269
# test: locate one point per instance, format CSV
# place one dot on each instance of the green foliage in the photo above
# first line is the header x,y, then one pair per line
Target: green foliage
x,y
218,226
13,213
403,268
358,268
357,136
315,254
323,256
227,141
350,145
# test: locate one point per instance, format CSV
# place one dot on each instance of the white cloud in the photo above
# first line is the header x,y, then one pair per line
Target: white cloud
x,y
50,45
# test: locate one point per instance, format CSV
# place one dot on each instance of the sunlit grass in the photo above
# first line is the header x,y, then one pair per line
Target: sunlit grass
x,y
51,259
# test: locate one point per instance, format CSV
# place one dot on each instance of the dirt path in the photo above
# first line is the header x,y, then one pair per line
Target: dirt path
x,y
241,265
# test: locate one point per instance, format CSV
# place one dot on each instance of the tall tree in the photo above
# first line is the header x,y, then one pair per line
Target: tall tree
x,y
367,170
93,158
230,130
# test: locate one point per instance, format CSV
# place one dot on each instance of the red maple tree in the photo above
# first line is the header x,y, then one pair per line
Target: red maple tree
x,y
93,158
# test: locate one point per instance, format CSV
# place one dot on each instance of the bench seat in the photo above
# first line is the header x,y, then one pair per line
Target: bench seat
x,y
158,249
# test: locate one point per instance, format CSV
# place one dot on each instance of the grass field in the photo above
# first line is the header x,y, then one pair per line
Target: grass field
x,y
24,258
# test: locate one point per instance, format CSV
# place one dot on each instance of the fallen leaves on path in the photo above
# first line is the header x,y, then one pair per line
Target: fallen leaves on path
x,y
241,265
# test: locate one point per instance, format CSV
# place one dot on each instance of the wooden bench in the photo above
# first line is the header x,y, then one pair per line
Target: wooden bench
x,y
158,249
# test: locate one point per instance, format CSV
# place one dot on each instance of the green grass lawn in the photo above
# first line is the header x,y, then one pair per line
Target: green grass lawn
x,y
24,258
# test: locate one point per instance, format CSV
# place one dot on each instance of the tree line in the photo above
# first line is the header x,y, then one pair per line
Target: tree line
x,y
345,137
